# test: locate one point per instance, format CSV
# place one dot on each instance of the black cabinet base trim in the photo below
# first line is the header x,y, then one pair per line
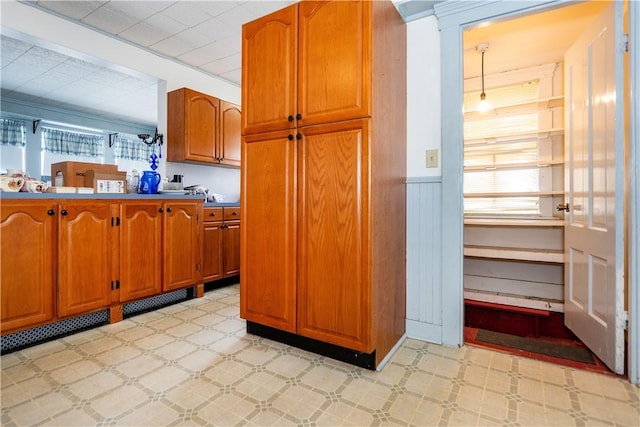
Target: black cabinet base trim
x,y
362,360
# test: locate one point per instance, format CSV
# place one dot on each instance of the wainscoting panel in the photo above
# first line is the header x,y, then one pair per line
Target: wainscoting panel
x,y
424,273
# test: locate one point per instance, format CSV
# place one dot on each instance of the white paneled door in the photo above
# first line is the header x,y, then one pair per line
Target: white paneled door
x,y
594,186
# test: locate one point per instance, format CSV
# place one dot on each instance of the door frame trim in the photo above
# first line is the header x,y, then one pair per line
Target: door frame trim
x,y
453,19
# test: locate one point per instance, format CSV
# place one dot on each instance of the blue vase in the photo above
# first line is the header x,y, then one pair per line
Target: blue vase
x,y
149,182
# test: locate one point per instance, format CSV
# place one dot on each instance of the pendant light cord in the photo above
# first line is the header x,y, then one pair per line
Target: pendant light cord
x,y
482,96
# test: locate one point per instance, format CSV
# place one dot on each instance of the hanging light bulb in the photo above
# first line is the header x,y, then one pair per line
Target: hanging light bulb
x,y
484,105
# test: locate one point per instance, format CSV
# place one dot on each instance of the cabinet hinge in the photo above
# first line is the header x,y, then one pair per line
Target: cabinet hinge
x,y
197,266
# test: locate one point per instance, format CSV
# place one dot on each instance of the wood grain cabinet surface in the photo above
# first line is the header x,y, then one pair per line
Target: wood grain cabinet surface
x,y
306,64
27,266
202,128
140,257
94,255
85,256
221,243
181,247
323,173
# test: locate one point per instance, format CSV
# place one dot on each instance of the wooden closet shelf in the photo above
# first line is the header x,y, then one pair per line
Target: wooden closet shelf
x,y
516,254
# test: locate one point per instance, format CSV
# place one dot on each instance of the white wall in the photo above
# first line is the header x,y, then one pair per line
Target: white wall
x,y
423,95
110,52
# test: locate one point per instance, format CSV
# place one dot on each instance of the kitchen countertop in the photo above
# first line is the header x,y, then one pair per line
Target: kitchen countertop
x,y
95,196
221,204
9,195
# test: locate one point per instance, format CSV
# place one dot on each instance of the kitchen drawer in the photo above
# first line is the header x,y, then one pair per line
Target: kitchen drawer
x,y
231,213
212,214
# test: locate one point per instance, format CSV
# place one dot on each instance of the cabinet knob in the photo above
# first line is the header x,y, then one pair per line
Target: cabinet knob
x,y
168,209
160,210
298,136
212,214
64,212
290,118
51,212
234,213
298,116
290,137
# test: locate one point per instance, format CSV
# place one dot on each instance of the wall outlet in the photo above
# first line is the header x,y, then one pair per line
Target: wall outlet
x,y
432,158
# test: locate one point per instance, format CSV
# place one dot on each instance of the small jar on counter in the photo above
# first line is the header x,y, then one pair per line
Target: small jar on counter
x,y
59,180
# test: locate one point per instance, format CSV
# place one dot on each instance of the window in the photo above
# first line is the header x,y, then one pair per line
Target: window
x,y
510,151
12,144
130,153
59,145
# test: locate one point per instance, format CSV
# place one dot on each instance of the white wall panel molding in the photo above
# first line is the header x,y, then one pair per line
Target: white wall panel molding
x,y
424,274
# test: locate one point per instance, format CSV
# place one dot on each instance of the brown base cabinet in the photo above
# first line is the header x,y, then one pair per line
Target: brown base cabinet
x,y
94,255
221,243
27,273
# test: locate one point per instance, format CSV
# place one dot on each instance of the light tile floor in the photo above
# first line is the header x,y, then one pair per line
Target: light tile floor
x,y
192,363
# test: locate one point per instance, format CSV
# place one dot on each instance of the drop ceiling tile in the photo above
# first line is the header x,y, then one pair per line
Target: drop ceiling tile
x,y
236,17
180,43
223,65
207,53
234,76
264,7
144,34
140,10
167,24
11,49
74,9
215,8
187,13
112,21
217,29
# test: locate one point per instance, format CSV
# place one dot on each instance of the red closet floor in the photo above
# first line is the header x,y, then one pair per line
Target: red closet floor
x,y
471,338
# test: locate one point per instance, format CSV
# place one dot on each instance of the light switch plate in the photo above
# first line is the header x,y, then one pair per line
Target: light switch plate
x,y
432,158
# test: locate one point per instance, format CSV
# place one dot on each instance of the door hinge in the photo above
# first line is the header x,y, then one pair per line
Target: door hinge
x,y
623,321
625,42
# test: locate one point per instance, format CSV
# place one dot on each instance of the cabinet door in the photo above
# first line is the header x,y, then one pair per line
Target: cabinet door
x,y
268,244
192,126
181,262
231,245
212,264
140,254
333,240
334,68
269,58
201,126
230,133
85,255
27,273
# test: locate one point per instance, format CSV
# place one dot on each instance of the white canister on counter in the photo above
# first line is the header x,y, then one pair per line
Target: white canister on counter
x,y
59,180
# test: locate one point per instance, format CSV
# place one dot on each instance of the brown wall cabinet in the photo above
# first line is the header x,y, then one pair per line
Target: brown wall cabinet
x,y
323,173
221,242
94,254
202,128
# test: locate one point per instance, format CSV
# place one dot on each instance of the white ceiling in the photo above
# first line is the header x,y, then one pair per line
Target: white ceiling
x,y
206,35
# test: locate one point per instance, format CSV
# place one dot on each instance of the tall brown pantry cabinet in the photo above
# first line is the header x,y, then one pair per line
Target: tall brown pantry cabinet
x,y
323,178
